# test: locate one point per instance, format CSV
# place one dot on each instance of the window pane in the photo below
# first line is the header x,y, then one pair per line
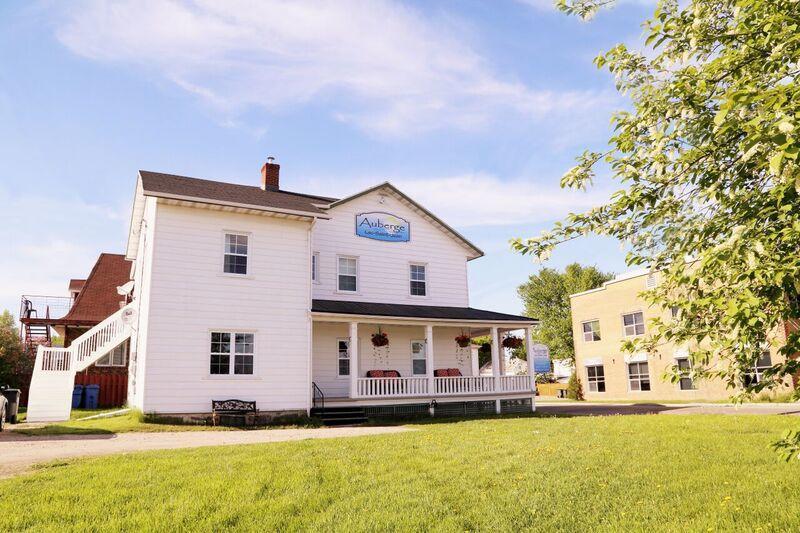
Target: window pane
x,y
634,385
418,272
243,364
600,371
686,384
627,319
764,361
417,288
419,366
347,266
601,386
220,363
244,343
220,342
235,264
645,384
344,367
591,371
347,283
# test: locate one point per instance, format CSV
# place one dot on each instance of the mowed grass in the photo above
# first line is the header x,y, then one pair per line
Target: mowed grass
x,y
619,473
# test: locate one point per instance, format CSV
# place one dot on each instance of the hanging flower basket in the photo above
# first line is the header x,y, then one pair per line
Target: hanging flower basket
x,y
463,340
512,342
380,339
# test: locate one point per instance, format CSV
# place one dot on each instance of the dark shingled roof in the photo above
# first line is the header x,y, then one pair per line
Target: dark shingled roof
x,y
170,185
413,311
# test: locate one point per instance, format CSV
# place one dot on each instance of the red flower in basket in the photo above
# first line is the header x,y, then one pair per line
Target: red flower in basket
x,y
512,342
380,339
463,340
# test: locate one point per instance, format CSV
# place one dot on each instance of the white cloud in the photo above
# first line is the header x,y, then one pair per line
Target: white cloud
x,y
470,200
382,66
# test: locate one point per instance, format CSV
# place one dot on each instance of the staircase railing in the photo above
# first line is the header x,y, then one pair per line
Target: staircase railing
x,y
53,359
317,393
110,329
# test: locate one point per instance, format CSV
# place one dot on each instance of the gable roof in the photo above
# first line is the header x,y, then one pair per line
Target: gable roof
x,y
436,221
248,196
99,298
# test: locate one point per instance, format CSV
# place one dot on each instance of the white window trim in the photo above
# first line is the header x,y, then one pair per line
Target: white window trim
x,y
349,357
628,376
423,358
248,274
358,274
622,322
583,333
587,367
315,269
230,374
427,285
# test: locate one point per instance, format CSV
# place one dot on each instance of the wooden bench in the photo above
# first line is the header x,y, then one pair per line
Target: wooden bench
x,y
233,412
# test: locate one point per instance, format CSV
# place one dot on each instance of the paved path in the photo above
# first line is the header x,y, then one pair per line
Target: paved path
x,y
602,409
19,453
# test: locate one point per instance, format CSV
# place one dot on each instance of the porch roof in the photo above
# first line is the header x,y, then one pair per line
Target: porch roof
x,y
415,311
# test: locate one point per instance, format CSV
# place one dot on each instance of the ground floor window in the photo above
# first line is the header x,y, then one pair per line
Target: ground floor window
x,y
684,368
638,377
232,353
116,357
419,365
596,378
764,362
343,349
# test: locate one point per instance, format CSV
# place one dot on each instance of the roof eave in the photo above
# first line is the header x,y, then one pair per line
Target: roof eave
x,y
210,201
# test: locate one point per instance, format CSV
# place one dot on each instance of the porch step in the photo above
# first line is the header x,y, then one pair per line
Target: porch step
x,y
340,416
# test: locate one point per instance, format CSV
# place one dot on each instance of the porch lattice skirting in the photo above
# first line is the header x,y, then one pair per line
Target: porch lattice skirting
x,y
448,409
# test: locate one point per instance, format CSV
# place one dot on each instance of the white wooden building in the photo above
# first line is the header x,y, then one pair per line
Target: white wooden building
x,y
257,293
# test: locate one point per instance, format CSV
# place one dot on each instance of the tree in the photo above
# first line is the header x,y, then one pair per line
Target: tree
x,y
546,297
13,361
707,157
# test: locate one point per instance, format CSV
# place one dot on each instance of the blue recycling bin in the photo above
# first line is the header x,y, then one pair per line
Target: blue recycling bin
x,y
77,396
91,396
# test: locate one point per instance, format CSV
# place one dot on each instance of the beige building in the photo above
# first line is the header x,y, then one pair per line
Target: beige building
x,y
603,318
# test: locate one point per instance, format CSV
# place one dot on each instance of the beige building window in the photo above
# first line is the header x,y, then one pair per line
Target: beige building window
x,y
638,377
591,330
684,367
764,362
596,378
633,324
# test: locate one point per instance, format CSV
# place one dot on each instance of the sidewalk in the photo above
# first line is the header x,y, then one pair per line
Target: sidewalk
x,y
19,453
569,408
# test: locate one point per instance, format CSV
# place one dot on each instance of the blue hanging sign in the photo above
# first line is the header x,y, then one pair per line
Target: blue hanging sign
x,y
541,358
383,227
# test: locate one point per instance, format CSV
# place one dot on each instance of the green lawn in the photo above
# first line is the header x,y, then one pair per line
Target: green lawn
x,y
633,473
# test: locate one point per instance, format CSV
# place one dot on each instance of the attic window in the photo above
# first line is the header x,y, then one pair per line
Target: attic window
x,y
650,282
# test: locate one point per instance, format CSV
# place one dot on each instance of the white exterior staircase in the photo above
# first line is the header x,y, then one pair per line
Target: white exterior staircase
x,y
50,396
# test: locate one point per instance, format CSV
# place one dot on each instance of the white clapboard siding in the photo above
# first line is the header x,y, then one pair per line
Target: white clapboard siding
x,y
384,266
189,297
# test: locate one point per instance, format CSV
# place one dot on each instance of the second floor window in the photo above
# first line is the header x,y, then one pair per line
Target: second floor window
x,y
348,274
633,324
419,282
235,254
591,331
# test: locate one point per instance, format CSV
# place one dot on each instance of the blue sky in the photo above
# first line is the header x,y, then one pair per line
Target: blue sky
x,y
474,108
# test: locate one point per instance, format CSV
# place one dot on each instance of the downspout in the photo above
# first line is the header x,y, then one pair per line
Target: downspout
x,y
310,399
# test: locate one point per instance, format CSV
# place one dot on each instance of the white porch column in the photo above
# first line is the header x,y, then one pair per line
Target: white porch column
x,y
429,359
531,374
496,365
354,359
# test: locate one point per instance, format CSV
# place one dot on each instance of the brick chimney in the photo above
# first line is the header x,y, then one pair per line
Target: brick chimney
x,y
270,175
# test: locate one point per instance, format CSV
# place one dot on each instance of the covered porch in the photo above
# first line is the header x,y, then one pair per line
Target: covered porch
x,y
422,360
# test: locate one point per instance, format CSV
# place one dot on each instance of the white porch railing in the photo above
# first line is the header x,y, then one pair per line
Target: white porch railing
x,y
463,385
53,359
443,386
515,383
391,387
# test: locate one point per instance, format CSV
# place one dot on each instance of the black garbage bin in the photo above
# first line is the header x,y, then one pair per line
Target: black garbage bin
x,y
12,409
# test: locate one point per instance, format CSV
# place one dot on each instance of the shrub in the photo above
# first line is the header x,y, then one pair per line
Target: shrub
x,y
574,388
